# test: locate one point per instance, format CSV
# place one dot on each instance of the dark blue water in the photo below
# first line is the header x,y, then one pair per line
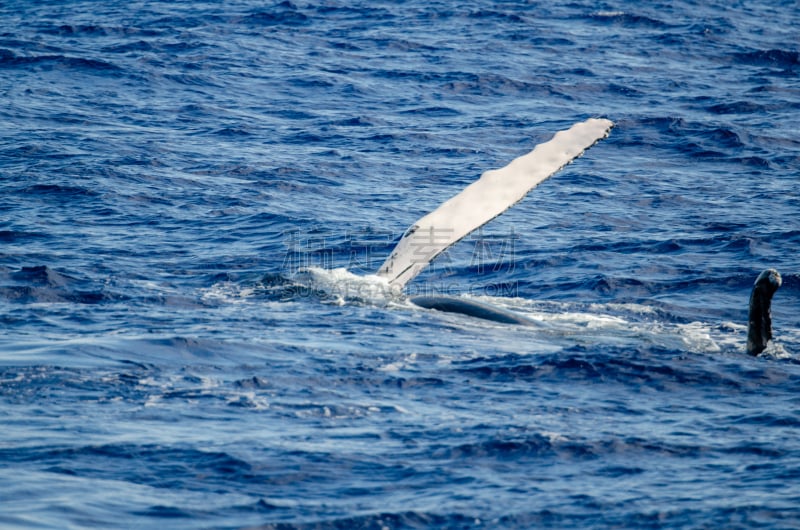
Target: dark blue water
x,y
168,171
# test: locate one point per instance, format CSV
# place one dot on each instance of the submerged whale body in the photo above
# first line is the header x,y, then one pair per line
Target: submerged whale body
x,y
473,308
759,325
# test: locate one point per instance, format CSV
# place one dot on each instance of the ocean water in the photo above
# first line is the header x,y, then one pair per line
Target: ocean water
x,y
193,196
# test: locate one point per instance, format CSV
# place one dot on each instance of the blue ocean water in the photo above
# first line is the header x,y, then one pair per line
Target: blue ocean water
x,y
190,192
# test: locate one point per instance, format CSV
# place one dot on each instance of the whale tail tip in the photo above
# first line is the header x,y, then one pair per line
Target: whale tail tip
x,y
759,326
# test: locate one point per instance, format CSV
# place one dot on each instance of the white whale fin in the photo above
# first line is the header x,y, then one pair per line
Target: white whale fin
x,y
486,198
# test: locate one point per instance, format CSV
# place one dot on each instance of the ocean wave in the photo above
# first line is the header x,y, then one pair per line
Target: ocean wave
x,y
284,14
787,59
10,60
631,20
41,284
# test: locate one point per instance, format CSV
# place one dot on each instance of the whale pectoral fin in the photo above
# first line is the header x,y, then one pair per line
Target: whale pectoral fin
x,y
483,200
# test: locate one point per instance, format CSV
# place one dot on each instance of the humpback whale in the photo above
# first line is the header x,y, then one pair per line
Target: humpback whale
x,y
498,190
759,325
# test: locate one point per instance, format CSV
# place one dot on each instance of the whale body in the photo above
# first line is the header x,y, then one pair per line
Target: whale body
x,y
473,308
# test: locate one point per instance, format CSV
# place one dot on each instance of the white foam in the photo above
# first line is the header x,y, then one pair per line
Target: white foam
x,y
400,364
620,324
228,292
